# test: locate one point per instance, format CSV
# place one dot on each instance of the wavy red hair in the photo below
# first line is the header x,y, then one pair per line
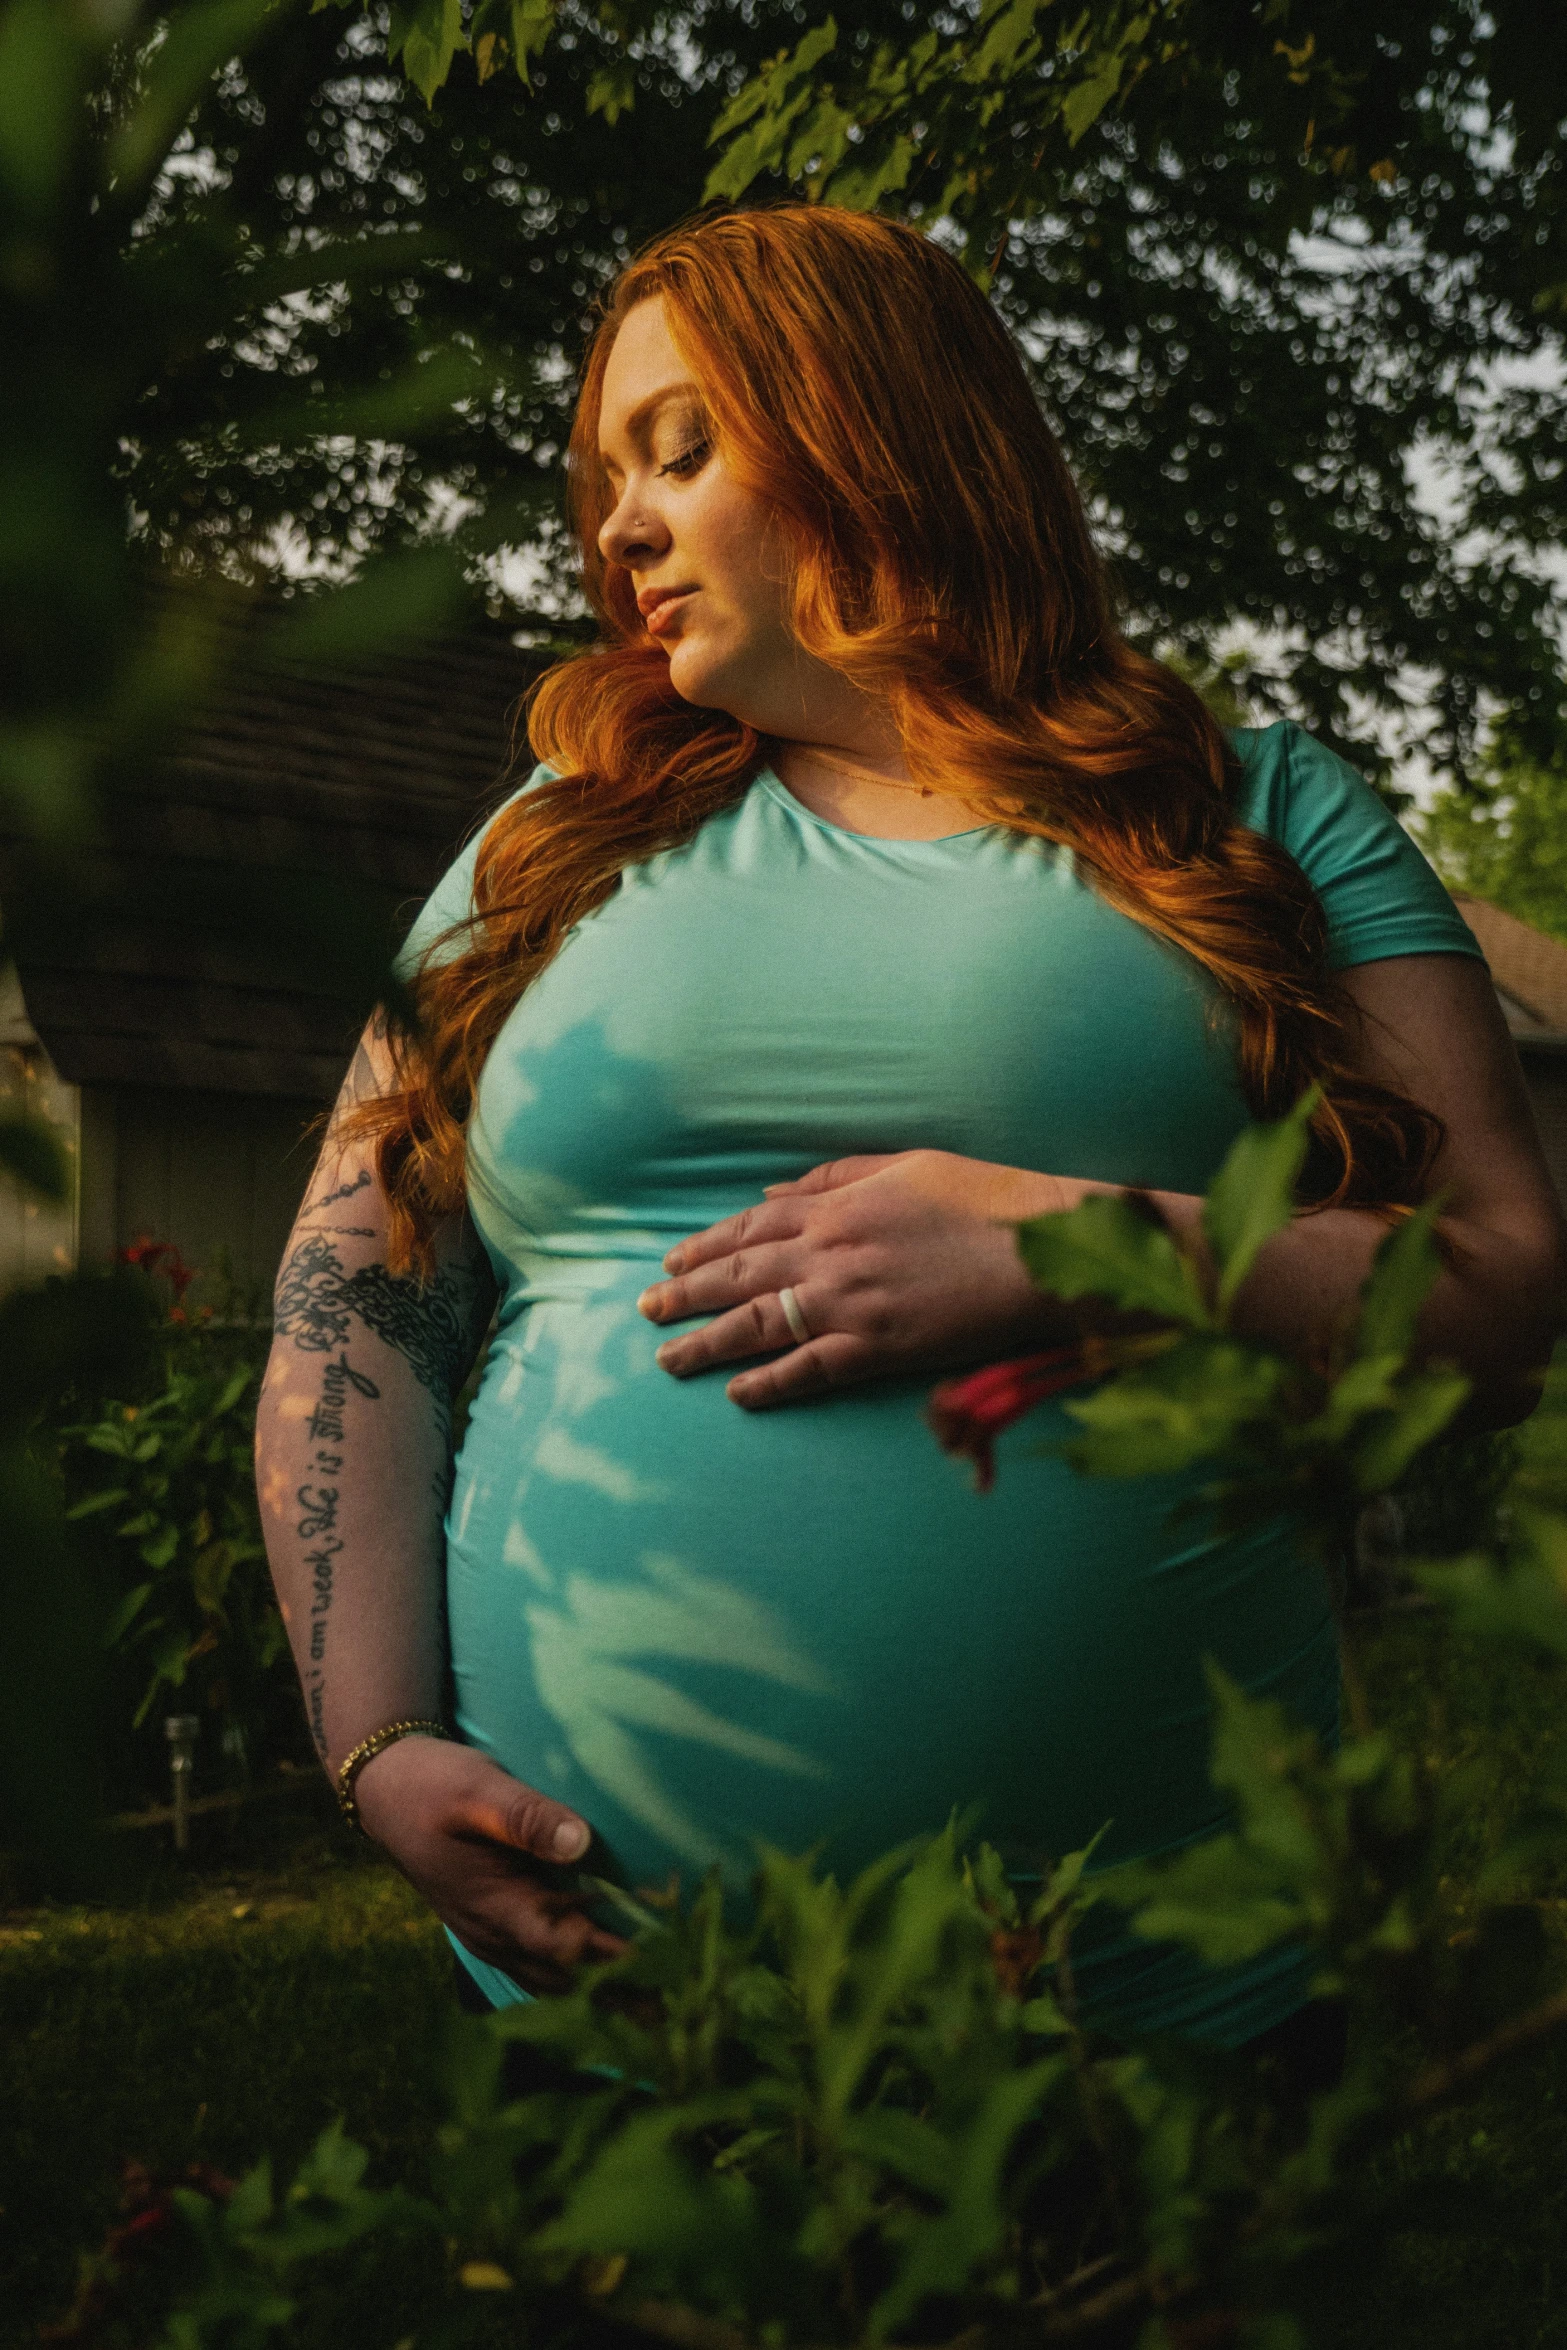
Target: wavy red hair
x,y
938,556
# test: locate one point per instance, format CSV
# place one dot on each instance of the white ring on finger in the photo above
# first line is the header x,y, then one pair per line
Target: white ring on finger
x,y
796,1320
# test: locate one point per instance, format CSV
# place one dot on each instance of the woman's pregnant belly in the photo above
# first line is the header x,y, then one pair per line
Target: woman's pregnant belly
x,y
704,1628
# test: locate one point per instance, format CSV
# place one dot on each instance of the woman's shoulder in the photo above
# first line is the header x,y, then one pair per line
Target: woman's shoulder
x,y
451,900
1308,799
1290,782
1380,895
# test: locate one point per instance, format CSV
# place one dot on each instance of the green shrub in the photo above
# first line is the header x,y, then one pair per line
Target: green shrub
x,y
160,1483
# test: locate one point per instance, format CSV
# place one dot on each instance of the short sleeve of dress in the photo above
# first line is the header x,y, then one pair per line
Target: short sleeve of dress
x,y
1379,894
451,900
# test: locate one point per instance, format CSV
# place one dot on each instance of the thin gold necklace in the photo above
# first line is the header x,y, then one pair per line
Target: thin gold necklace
x,y
864,775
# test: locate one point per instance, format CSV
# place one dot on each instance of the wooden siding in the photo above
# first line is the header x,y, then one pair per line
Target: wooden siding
x,y
36,1238
333,799
1545,1074
216,1173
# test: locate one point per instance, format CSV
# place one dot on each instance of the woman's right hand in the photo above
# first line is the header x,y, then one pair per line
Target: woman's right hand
x,y
488,1855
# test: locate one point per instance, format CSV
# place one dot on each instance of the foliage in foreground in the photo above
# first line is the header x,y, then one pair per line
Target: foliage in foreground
x,y
877,2113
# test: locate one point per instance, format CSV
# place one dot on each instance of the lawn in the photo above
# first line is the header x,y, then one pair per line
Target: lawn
x,y
234,2004
237,2000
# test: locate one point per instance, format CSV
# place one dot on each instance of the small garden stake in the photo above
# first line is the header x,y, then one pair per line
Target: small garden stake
x,y
181,1732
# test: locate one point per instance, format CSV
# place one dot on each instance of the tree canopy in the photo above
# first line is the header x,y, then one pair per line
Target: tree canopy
x,y
1508,844
1290,276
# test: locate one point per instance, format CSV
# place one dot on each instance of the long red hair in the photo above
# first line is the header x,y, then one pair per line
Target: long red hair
x,y
939,556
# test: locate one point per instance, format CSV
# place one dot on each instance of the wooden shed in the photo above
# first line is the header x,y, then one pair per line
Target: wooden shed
x,y
183,1063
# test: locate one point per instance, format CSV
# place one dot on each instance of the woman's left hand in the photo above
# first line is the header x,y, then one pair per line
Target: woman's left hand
x,y
898,1264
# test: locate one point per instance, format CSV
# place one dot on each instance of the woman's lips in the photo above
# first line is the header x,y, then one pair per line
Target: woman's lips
x,y
659,617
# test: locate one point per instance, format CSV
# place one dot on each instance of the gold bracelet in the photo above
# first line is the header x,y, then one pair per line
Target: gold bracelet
x,y
354,1761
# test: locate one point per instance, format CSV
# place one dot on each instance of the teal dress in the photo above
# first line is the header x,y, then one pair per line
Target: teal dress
x,y
702,1627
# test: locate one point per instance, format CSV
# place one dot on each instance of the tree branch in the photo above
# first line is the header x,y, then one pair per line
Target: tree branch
x,y
1446,2079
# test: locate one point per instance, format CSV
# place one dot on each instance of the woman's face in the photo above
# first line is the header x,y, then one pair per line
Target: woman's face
x,y
682,523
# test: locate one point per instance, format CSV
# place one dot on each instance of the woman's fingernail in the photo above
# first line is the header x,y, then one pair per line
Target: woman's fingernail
x,y
672,1261
647,1303
571,1840
661,1354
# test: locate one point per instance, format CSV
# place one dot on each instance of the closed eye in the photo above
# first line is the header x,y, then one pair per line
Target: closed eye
x,y
687,461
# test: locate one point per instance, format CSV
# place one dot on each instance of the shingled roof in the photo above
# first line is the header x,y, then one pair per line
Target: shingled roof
x,y
353,786
1529,970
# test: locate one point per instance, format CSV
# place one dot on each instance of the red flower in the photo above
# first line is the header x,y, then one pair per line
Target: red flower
x,y
969,1414
160,1256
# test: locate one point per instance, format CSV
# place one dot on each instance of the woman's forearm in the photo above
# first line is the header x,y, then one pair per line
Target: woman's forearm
x,y
1496,1309
353,1453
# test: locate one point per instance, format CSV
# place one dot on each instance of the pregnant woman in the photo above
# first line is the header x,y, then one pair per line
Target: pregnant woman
x,y
870,894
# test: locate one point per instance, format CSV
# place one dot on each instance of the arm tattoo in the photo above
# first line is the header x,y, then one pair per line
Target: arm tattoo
x,y
361,1182
434,1326
431,1325
316,1525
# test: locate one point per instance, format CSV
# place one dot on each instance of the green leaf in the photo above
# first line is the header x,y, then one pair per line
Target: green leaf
x,y
930,1907
426,35
1107,1247
233,1388
611,90
1253,1194
1402,1273
519,28
756,150
1085,103
1256,1752
159,1549
43,111
1065,1878
1041,2016
860,188
32,1153
1010,41
1185,1407
905,2145
985,1875
396,600
1219,1898
642,2193
1370,1384
1427,1400
126,1613
109,1499
333,2168
532,22
1236,1894
769,103
819,143
250,2205
941,2255
1525,1601
818,43
201,40
209,1577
